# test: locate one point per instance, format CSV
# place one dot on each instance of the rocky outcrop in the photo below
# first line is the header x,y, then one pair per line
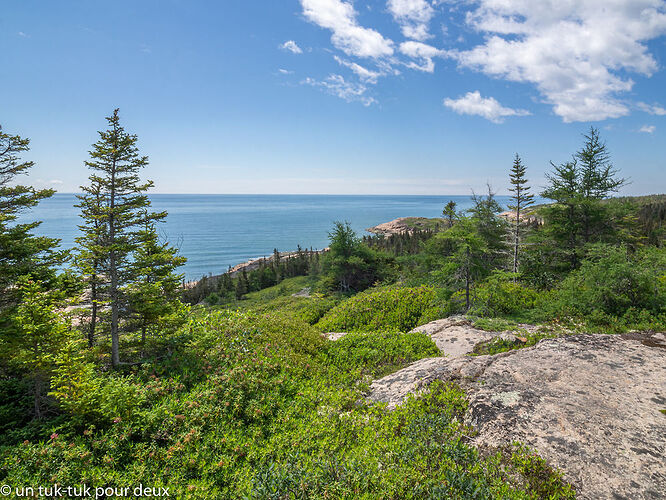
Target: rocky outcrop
x,y
407,225
529,217
589,404
454,336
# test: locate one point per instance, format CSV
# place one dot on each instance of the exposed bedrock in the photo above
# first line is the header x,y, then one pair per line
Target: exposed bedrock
x,y
591,405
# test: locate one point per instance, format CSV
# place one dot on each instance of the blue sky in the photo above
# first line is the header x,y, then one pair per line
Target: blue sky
x,y
330,96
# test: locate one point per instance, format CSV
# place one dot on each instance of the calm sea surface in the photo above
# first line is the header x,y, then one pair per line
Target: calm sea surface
x,y
216,231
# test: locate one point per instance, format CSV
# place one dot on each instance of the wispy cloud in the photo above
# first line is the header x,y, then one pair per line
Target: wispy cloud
x,y
647,129
48,183
413,16
292,47
349,91
340,18
653,109
473,104
22,34
285,71
421,54
363,73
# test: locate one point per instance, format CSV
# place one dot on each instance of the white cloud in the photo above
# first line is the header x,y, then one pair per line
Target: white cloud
x,y
349,91
575,52
423,53
348,36
22,34
285,71
413,16
653,109
291,46
473,104
648,129
364,74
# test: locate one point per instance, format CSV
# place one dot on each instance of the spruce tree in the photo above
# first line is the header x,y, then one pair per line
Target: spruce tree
x,y
598,179
492,228
154,292
90,259
121,212
450,212
21,252
563,217
468,263
578,187
522,198
241,285
40,334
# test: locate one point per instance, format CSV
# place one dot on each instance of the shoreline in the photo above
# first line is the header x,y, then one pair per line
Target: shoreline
x,y
255,263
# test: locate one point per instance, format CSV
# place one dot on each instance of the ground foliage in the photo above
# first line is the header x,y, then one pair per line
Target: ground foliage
x,y
260,405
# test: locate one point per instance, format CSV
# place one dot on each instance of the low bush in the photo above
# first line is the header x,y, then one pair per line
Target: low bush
x,y
380,309
376,354
612,283
499,295
312,309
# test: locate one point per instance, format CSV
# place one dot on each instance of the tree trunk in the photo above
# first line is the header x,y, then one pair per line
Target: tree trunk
x,y
467,280
517,239
93,313
572,237
113,273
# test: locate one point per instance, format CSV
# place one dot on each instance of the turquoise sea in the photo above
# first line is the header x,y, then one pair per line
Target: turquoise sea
x,y
218,231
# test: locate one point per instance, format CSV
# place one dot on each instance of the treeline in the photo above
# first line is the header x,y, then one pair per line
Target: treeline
x,y
404,243
232,286
584,244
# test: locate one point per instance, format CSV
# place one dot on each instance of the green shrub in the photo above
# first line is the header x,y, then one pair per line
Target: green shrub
x,y
610,283
213,299
312,309
377,354
352,266
499,295
380,309
90,398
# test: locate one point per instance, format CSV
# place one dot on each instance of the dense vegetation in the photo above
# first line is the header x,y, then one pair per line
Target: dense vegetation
x,y
108,379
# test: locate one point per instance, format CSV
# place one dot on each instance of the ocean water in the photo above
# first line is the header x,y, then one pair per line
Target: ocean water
x,y
218,231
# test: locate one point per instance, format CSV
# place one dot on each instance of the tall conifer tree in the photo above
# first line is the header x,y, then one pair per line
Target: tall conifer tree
x,y
91,259
598,180
522,198
121,212
450,212
21,252
578,217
